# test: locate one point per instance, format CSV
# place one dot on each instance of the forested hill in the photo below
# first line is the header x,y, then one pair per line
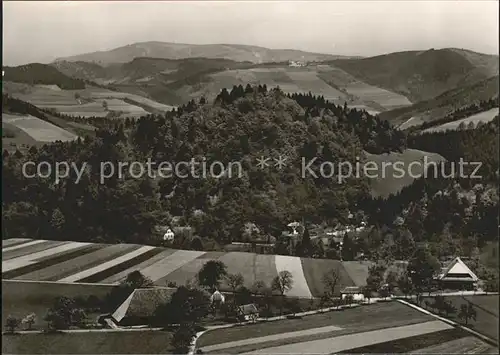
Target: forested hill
x,y
42,74
240,126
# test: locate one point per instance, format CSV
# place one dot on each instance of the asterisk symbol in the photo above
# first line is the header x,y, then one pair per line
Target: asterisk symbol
x,y
263,162
280,162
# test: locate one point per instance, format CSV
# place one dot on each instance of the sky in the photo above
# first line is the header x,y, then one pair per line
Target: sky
x,y
38,31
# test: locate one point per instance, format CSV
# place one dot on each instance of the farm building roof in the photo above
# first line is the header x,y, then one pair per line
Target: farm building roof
x,y
352,290
457,271
143,302
248,309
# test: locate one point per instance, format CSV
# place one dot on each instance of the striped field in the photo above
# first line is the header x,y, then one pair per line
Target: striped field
x,y
75,262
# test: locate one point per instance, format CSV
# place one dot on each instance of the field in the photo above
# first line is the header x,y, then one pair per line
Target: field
x,y
117,342
487,313
330,82
87,102
389,178
484,117
339,331
41,260
39,130
20,298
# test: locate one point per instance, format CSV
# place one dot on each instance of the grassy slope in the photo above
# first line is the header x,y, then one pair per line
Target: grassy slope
x,y
178,81
487,313
419,75
143,342
484,117
389,182
445,103
366,318
20,298
253,267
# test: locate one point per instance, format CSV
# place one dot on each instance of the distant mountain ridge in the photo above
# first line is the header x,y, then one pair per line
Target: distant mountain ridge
x,y
236,52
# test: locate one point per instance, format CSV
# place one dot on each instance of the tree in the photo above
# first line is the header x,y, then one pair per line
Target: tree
x,y
391,280
57,220
439,304
449,308
186,305
212,273
375,278
258,287
421,270
29,320
348,248
367,292
105,105
467,311
234,281
282,283
330,280
64,313
405,285
12,323
137,280
304,247
196,244
182,338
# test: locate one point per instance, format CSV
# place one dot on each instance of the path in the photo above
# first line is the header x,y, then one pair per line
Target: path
x,y
273,337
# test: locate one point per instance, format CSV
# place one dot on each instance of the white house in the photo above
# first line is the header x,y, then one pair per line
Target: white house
x,y
354,291
169,235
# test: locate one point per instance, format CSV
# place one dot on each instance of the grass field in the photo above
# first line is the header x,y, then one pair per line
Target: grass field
x,y
319,327
87,102
19,298
389,179
100,263
487,313
484,117
39,130
322,79
136,342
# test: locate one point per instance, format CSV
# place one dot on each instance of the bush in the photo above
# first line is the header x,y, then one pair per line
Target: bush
x,y
181,340
12,323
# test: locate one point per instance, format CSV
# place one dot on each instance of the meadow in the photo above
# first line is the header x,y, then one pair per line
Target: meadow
x,y
38,129
109,342
486,307
43,260
484,117
392,180
88,102
377,328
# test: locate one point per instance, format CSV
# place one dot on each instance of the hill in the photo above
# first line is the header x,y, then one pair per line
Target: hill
x,y
25,125
444,104
236,52
422,75
43,74
178,81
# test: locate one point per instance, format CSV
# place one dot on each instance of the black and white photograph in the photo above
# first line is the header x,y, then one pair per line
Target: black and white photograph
x,y
250,177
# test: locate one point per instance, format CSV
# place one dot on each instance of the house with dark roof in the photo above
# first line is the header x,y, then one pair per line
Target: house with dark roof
x,y
141,305
457,276
248,312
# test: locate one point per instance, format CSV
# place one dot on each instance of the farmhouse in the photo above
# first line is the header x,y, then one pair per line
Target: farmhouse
x,y
457,276
140,306
248,312
354,291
